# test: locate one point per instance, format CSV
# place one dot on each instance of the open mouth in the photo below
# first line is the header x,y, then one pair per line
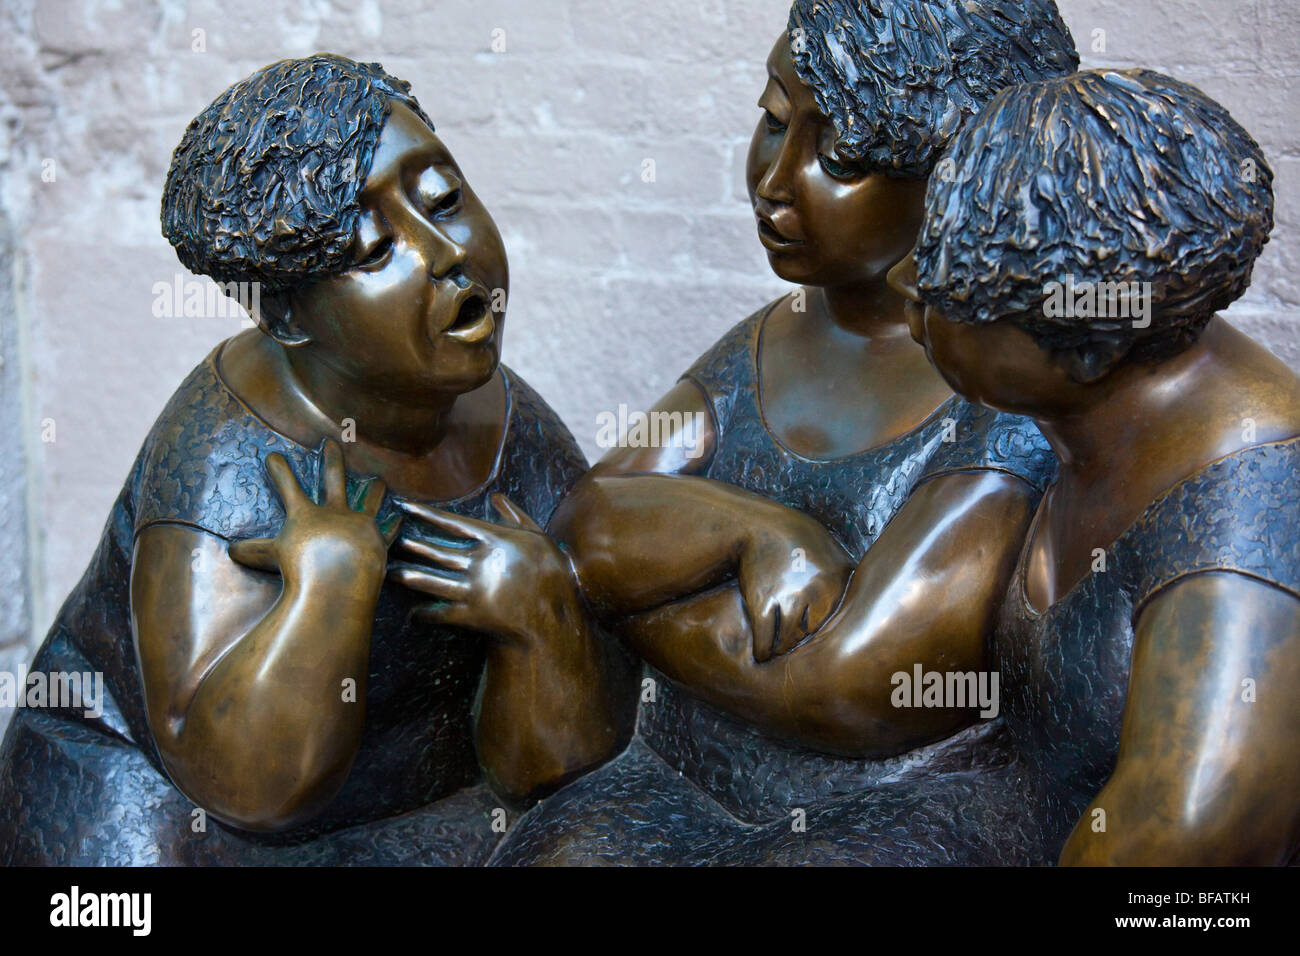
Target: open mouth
x,y
474,322
772,239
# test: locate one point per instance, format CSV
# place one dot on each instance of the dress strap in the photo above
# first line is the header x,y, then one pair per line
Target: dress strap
x,y
727,373
1237,514
975,438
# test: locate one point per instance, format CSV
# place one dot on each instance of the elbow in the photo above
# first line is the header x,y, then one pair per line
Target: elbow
x,y
251,794
1139,823
879,702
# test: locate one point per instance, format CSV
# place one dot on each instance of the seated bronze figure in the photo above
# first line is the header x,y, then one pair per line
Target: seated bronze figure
x,y
1150,637
846,517
998,432
278,690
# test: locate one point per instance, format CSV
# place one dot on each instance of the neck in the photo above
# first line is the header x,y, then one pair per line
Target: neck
x,y
1122,430
871,310
396,424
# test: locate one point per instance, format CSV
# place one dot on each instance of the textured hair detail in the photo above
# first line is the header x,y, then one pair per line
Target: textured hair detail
x,y
899,77
263,186
1103,177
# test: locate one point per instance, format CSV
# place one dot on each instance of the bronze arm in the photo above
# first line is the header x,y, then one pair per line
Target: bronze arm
x,y
926,593
555,699
671,457
246,677
259,747
640,541
1208,772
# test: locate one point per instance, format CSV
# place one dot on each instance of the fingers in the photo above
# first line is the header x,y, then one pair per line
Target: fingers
x,y
333,477
258,553
426,581
284,482
791,631
764,622
451,558
471,529
512,513
371,496
389,528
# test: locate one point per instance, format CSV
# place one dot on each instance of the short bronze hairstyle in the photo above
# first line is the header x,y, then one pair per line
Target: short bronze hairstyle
x,y
263,186
1116,177
899,77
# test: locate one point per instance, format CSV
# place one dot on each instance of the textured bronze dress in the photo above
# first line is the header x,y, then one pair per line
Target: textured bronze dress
x,y
78,790
1065,675
696,785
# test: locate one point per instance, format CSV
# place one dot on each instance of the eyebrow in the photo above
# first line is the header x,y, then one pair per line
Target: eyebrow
x,y
428,153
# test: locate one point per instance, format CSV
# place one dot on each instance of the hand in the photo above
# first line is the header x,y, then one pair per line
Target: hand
x,y
792,577
337,541
500,579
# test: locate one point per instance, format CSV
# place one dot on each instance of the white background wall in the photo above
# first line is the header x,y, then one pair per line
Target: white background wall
x,y
618,284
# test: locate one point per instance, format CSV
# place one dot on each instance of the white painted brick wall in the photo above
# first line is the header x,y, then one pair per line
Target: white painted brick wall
x,y
617,284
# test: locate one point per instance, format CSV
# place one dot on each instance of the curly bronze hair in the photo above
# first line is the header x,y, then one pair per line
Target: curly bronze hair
x,y
263,186
899,77
1114,177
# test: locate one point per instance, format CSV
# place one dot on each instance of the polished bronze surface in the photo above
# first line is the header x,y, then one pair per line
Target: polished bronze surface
x,y
360,600
1152,630
321,699
840,516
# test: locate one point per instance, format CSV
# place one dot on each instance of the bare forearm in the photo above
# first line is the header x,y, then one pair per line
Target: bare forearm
x,y
1140,823
836,690
553,703
639,541
834,693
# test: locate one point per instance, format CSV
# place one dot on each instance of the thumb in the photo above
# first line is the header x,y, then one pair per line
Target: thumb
x,y
764,623
511,513
257,553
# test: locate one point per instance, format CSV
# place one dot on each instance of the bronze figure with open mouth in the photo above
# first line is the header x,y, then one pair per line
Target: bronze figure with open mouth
x,y
280,688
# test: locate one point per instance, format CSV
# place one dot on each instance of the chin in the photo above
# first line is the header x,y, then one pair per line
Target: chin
x,y
474,372
959,386
794,268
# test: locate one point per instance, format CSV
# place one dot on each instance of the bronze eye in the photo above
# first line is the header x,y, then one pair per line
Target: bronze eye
x,y
837,170
773,124
438,193
446,206
378,252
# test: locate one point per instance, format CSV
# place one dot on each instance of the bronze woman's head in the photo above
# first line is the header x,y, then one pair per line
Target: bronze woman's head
x,y
323,180
1107,214
863,96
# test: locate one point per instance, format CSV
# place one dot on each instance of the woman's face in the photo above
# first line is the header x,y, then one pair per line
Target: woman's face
x,y
420,309
997,364
822,221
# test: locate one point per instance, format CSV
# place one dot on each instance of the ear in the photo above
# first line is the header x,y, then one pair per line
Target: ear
x,y
1089,364
275,318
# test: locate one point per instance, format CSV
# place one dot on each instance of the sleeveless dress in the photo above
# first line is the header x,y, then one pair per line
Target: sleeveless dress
x,y
1065,676
92,791
697,785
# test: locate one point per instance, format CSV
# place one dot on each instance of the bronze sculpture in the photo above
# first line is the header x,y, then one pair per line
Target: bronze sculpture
x,y
1150,637
315,702
324,702
771,695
